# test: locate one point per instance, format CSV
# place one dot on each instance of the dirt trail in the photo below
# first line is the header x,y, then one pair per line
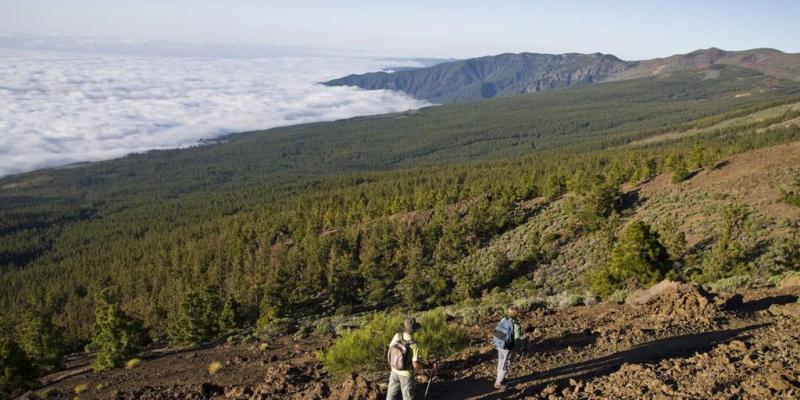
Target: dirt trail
x,y
674,341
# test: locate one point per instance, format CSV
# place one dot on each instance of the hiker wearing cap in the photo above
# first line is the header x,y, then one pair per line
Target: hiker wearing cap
x,y
403,359
507,335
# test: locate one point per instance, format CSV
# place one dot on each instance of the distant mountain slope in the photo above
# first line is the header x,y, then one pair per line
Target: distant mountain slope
x,y
485,77
769,62
512,74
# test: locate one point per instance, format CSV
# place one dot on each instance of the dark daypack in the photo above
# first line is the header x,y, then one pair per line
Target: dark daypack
x,y
400,354
504,334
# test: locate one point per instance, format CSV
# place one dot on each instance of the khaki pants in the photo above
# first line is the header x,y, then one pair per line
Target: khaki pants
x,y
503,362
401,384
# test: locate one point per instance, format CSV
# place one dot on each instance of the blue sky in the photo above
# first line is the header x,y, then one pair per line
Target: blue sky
x,y
629,29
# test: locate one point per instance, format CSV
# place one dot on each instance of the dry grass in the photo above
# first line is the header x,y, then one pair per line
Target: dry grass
x,y
214,367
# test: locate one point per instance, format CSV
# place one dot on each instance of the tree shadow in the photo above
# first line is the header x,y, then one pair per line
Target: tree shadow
x,y
653,351
759,249
583,338
474,359
765,303
720,165
700,245
628,201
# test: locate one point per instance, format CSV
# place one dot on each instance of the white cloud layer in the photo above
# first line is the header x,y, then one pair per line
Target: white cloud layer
x,y
58,108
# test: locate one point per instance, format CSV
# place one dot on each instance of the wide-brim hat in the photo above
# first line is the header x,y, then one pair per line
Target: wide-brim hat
x,y
411,325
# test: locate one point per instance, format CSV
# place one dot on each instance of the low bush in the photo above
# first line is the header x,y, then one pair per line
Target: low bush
x,y
133,363
790,198
564,300
438,338
303,331
364,349
527,304
729,284
619,296
278,326
469,315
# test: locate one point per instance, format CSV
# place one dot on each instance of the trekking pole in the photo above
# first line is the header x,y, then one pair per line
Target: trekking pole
x,y
429,387
430,380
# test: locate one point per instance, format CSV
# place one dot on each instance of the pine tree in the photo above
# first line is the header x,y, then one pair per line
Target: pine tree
x,y
343,283
637,259
116,336
198,317
40,340
727,255
275,303
597,205
375,266
228,317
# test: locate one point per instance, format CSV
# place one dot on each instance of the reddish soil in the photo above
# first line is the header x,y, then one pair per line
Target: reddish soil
x,y
672,341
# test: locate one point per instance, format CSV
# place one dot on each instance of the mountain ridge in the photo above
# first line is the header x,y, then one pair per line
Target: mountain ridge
x,y
509,74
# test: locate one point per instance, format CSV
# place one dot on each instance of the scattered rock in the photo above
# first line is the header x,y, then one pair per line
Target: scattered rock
x,y
356,388
792,281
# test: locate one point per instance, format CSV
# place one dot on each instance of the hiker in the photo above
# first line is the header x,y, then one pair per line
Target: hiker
x,y
507,336
403,359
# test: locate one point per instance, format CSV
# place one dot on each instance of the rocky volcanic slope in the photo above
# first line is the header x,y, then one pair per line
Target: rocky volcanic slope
x,y
512,74
671,341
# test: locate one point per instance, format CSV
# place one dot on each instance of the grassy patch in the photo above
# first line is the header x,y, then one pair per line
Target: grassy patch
x,y
364,349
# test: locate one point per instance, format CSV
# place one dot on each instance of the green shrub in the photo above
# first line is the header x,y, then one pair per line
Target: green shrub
x,y
80,388
790,198
729,284
589,298
438,338
526,304
40,340
469,316
776,280
279,326
564,300
364,349
325,327
16,370
619,296
303,331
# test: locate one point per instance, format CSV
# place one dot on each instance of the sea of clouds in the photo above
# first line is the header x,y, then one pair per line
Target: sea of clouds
x,y
61,107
